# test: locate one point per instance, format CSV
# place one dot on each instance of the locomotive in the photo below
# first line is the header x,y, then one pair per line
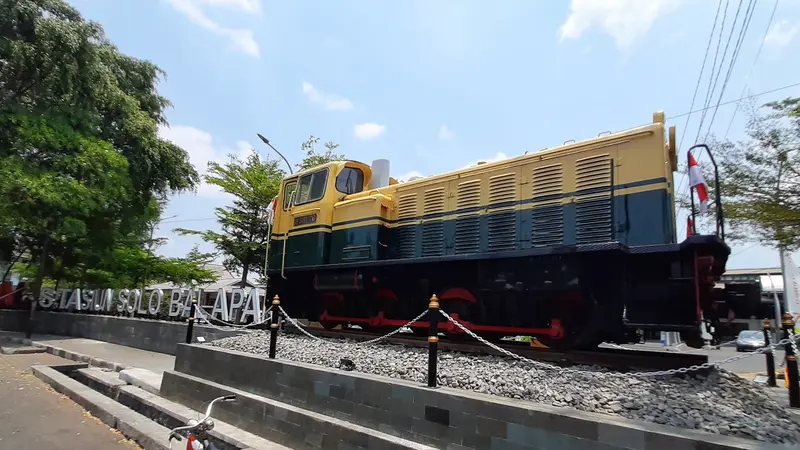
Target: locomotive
x,y
573,245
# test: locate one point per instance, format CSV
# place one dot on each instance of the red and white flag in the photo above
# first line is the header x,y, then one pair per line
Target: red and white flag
x,y
697,181
271,210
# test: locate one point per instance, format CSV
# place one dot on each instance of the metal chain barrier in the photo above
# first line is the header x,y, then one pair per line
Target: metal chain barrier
x,y
371,341
794,338
204,315
613,374
11,293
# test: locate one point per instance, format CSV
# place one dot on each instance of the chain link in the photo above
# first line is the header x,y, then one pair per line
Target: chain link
x,y
794,343
682,370
371,341
208,318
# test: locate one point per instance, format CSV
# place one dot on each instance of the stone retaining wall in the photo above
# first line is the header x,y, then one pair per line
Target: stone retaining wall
x,y
440,417
145,334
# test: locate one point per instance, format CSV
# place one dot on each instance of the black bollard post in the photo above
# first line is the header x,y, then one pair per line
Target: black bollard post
x,y
791,363
273,332
190,326
433,339
770,355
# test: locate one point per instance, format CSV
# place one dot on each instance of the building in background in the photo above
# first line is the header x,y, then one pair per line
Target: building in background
x,y
758,290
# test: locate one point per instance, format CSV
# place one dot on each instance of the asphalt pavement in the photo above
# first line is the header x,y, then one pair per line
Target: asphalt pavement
x,y
33,416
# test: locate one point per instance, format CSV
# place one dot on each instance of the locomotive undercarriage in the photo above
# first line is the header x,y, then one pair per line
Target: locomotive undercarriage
x,y
570,300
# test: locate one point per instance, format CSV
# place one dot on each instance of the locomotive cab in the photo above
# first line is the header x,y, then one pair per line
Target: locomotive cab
x,y
311,205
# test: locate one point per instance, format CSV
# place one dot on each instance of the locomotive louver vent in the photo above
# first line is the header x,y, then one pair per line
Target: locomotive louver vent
x,y
548,181
502,222
547,215
469,194
434,201
593,210
406,238
406,234
432,227
407,206
467,236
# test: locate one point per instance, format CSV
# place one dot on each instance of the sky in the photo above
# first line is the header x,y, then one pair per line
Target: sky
x,y
437,85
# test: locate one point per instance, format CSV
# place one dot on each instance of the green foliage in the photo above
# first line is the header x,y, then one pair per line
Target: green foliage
x,y
83,172
760,178
313,159
254,183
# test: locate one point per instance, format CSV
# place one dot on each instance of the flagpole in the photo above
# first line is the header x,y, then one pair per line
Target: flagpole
x,y
778,318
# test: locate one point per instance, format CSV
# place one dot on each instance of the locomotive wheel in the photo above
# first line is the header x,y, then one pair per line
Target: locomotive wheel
x,y
576,320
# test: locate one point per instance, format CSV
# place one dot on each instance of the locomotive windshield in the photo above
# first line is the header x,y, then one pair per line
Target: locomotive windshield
x,y
312,187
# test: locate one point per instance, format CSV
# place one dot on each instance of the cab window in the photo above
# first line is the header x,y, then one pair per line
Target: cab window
x,y
350,181
288,190
311,187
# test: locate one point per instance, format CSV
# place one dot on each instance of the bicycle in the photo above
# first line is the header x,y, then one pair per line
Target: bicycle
x,y
197,438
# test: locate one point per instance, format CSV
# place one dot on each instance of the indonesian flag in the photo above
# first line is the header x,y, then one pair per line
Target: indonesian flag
x,y
697,181
271,210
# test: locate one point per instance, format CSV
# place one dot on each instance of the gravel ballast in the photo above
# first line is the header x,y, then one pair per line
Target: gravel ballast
x,y
721,403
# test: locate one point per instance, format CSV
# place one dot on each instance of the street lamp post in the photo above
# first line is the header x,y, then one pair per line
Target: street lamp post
x,y
266,141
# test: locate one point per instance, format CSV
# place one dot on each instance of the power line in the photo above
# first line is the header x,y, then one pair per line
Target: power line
x,y
702,68
736,100
709,90
753,67
201,219
748,15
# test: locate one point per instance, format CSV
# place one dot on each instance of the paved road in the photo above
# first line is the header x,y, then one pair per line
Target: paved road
x,y
35,417
748,366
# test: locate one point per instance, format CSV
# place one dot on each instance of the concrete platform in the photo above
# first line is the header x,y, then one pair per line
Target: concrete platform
x,y
440,417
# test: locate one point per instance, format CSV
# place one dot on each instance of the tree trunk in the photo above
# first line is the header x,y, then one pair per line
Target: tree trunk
x,y
245,272
37,286
10,265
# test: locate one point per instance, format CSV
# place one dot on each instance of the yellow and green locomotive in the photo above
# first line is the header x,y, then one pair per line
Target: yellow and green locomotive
x,y
574,245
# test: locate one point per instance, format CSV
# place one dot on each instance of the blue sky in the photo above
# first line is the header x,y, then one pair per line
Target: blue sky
x,y
434,85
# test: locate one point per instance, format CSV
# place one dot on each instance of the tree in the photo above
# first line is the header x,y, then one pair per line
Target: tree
x,y
57,182
80,155
243,239
313,158
760,178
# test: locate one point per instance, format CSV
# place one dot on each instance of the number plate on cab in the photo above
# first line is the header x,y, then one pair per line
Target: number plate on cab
x,y
305,220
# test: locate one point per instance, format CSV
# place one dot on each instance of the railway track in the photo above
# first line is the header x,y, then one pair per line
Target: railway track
x,y
610,358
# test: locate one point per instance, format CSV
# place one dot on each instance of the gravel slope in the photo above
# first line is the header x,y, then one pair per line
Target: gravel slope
x,y
721,403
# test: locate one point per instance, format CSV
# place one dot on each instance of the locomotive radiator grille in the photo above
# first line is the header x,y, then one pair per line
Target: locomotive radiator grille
x,y
547,217
433,228
502,222
467,234
406,236
593,215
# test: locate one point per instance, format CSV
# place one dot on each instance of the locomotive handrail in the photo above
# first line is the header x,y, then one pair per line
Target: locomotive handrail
x,y
720,217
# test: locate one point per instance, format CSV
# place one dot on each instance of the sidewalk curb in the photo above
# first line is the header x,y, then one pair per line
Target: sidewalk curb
x,y
68,354
131,424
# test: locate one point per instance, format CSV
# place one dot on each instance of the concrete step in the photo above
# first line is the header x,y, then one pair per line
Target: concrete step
x,y
290,425
17,349
133,425
166,413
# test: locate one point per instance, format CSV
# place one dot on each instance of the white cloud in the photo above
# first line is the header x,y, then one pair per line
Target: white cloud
x,y
499,156
241,38
200,147
328,101
366,131
781,34
624,20
445,133
403,177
